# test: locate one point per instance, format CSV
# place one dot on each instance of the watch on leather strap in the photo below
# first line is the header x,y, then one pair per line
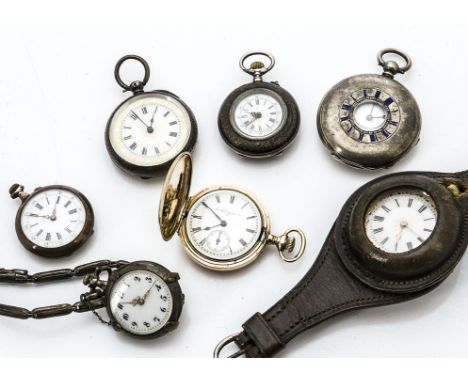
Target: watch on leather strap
x,y
396,238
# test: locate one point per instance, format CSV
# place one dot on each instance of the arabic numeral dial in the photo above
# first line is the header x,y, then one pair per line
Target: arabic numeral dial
x,y
141,302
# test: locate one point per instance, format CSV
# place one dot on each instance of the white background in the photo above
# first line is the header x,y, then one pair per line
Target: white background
x,y
57,91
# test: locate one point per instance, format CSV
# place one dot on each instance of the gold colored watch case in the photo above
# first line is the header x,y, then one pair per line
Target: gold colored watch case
x,y
174,206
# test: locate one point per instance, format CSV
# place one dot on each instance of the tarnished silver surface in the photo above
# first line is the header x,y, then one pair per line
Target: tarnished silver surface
x,y
88,301
403,119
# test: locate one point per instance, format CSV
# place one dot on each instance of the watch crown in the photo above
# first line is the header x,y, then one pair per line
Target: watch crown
x,y
16,190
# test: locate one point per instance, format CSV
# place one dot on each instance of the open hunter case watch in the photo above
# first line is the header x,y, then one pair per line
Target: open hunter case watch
x,y
395,239
222,228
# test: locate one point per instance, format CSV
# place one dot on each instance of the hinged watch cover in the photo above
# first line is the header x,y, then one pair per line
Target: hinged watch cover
x,y
175,195
351,273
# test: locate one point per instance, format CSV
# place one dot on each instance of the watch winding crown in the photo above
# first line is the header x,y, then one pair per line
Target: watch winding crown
x,y
17,191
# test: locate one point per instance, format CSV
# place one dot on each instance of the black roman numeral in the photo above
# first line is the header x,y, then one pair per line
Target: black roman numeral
x,y
422,208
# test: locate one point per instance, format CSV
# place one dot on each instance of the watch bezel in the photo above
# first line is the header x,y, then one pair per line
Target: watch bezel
x,y
264,91
412,270
270,145
147,172
232,264
171,280
376,155
65,250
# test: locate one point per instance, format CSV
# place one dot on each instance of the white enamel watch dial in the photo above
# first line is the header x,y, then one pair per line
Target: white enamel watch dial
x,y
224,224
141,302
370,116
258,113
53,218
149,129
399,221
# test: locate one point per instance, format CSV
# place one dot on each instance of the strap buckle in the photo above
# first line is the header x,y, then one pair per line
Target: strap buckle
x,y
223,343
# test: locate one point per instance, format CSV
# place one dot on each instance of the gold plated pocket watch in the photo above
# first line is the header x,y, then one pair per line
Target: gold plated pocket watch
x,y
223,227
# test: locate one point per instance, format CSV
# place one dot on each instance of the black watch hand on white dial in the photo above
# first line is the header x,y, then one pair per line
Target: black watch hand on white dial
x,y
222,222
38,216
149,129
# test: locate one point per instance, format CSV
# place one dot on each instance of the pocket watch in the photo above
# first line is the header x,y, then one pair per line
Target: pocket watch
x,y
143,299
370,121
222,228
395,239
259,119
52,221
148,130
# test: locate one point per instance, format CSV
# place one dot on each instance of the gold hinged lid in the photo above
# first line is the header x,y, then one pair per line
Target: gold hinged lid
x,y
174,195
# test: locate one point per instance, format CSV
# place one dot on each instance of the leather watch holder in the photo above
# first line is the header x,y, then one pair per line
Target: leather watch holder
x,y
350,273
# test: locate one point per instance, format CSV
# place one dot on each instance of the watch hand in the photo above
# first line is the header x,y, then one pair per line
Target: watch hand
x,y
135,301
213,226
414,233
39,216
54,211
219,238
148,292
250,122
369,116
223,223
398,237
148,128
256,115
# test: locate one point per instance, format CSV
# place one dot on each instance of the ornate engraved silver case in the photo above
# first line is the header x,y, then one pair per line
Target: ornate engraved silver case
x,y
262,132
357,136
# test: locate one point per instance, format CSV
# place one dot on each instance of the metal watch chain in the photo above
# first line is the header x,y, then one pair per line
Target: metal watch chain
x,y
89,301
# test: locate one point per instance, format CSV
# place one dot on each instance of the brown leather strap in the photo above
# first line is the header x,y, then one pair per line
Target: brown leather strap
x,y
330,288
325,291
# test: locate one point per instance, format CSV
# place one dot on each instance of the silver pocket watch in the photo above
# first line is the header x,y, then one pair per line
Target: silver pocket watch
x,y
370,121
259,119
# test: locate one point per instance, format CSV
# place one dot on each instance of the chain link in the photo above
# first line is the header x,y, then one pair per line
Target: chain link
x,y
89,301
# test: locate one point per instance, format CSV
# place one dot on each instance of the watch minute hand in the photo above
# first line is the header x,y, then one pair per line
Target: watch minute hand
x,y
39,216
148,127
152,117
214,213
148,291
